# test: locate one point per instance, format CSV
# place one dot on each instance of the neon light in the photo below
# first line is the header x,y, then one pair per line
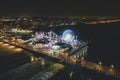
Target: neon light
x,y
68,35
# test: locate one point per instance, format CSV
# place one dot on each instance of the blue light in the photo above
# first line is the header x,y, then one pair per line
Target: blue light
x,y
68,35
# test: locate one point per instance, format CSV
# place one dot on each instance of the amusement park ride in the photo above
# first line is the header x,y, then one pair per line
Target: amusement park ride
x,y
66,43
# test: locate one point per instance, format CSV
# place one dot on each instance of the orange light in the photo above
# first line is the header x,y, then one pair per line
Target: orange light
x,y
18,49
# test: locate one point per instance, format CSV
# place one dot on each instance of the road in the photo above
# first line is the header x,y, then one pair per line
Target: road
x,y
26,71
48,73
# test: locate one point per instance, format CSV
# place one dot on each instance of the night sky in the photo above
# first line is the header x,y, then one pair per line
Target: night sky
x,y
60,7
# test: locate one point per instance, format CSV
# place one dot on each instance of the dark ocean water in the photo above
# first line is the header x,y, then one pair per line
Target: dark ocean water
x,y
104,41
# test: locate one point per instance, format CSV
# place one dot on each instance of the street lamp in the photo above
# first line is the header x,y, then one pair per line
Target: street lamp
x,y
112,66
66,54
82,58
100,63
74,56
32,58
66,57
112,70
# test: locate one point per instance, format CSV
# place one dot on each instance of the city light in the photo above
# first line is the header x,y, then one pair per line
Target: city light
x,y
82,58
100,63
18,49
37,48
1,42
112,66
32,58
11,47
6,44
68,35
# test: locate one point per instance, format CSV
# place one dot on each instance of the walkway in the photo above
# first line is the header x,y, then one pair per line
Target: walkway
x,y
90,65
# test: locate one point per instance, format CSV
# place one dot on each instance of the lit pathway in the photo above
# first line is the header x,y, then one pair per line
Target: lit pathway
x,y
100,68
48,73
25,72
93,66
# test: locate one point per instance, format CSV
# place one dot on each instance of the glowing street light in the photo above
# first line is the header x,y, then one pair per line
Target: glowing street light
x,y
100,63
32,58
66,54
74,56
112,66
42,62
82,58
